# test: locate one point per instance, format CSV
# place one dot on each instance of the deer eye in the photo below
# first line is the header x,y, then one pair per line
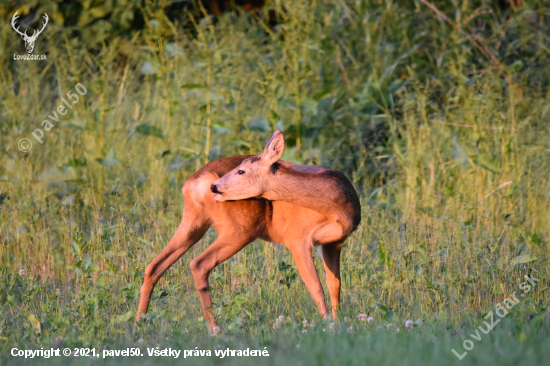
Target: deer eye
x,y
240,172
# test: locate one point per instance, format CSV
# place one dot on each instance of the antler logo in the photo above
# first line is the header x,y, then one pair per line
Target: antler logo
x,y
29,41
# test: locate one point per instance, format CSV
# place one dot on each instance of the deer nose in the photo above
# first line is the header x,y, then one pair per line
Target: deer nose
x,y
214,189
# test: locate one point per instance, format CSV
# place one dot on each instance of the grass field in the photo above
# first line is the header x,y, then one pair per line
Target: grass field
x,y
450,155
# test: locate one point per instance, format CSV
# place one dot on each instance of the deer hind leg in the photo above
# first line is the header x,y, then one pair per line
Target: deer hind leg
x,y
304,262
224,247
191,230
331,259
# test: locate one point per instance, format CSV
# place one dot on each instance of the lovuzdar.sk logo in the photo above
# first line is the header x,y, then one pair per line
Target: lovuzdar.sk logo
x,y
29,40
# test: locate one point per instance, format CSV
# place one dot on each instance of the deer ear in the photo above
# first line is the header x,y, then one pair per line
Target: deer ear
x,y
274,148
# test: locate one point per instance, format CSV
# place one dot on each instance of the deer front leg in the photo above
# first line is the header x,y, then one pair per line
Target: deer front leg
x,y
304,262
219,251
331,259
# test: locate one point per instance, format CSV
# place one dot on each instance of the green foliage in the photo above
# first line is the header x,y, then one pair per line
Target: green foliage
x,y
451,161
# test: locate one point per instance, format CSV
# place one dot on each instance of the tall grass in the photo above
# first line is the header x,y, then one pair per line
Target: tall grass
x,y
450,159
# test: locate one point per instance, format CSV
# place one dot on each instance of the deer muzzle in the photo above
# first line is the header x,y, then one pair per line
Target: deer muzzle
x,y
217,194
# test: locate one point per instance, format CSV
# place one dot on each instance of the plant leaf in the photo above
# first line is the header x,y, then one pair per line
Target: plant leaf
x,y
258,124
124,318
108,160
148,130
192,86
34,322
525,258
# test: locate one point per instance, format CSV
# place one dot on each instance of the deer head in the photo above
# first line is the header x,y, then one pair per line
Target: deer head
x,y
29,41
252,177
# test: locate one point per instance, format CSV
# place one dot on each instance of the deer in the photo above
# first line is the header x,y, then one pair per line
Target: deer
x,y
29,41
245,197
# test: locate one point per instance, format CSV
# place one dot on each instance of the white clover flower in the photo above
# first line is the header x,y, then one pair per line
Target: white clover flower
x,y
305,323
280,320
347,319
409,324
216,330
350,329
370,319
397,330
362,317
304,330
21,272
388,326
331,325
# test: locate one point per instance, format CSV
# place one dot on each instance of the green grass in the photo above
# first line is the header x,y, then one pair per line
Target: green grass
x,y
451,162
429,345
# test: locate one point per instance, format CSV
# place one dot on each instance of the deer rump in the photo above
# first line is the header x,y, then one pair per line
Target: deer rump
x,y
259,196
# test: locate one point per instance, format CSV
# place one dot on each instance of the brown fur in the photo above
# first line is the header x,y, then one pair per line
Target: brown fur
x,y
296,206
